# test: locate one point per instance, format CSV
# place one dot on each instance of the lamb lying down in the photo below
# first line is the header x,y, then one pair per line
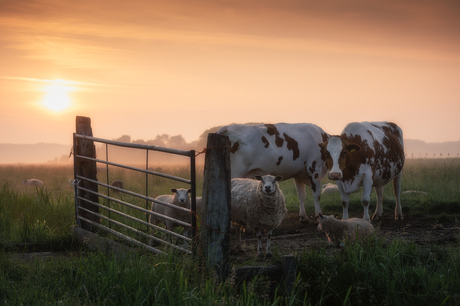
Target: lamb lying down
x,y
338,230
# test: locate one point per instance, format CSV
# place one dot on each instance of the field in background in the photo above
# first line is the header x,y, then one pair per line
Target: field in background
x,y
31,213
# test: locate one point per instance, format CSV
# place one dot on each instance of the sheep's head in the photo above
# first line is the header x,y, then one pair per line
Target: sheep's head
x,y
269,183
321,219
181,194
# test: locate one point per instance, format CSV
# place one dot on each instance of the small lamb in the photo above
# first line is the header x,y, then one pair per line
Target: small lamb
x,y
180,198
33,182
257,204
337,230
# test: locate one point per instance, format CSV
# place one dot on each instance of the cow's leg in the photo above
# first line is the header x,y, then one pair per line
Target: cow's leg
x,y
301,195
315,186
366,197
397,191
345,200
378,209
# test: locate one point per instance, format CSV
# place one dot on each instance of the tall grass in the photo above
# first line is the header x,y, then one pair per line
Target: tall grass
x,y
362,274
376,274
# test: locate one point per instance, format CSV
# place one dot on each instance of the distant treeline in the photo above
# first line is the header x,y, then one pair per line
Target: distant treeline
x,y
57,153
420,149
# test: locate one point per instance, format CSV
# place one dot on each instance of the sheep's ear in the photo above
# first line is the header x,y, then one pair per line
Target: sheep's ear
x,y
278,178
189,191
258,177
173,190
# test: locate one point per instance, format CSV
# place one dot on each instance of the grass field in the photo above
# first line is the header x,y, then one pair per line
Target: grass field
x,y
356,276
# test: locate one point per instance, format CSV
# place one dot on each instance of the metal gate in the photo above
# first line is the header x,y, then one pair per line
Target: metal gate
x,y
98,210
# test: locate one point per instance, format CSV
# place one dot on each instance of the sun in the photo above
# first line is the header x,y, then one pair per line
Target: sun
x,y
57,98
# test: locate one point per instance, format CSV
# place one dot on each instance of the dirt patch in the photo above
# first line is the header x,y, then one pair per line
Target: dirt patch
x,y
293,237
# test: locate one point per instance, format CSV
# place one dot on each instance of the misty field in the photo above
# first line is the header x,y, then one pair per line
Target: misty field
x,y
373,273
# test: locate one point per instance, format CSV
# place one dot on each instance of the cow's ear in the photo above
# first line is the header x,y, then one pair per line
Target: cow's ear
x,y
352,148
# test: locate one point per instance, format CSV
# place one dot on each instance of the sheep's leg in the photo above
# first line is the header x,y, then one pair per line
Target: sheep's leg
x,y
268,251
378,209
397,191
259,242
238,237
301,195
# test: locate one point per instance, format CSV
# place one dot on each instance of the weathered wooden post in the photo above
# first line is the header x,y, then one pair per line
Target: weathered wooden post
x,y
216,212
86,168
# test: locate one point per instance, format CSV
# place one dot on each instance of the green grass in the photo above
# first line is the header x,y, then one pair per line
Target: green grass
x,y
371,273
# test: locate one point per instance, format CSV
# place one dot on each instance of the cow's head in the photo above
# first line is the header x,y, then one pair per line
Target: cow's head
x,y
336,151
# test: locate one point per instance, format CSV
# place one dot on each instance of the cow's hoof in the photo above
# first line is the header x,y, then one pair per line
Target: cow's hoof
x,y
304,219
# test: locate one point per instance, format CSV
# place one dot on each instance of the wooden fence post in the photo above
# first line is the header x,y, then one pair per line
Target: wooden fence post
x,y
216,211
88,169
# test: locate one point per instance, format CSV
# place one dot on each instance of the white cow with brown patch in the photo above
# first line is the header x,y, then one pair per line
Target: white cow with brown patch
x,y
368,154
288,150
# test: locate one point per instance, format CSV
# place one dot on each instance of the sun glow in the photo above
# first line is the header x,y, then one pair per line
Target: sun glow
x,y
57,98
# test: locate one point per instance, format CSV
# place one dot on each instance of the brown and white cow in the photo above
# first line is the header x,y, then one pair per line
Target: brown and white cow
x,y
288,150
368,154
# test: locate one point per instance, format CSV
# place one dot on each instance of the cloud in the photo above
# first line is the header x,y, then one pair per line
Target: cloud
x,y
65,82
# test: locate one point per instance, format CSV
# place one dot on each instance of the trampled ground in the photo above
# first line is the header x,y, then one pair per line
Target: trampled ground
x,y
293,237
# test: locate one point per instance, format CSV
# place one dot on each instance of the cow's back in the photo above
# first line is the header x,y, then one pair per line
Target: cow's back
x,y
289,150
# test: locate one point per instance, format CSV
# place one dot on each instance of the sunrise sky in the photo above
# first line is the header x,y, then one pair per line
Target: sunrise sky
x,y
143,68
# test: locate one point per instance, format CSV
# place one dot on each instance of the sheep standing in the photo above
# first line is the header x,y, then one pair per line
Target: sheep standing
x,y
180,197
257,204
337,230
33,183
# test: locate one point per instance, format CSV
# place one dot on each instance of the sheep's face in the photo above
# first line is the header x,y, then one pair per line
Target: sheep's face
x,y
181,194
321,219
269,183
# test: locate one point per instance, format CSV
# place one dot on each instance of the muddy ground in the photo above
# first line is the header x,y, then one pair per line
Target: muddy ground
x,y
293,237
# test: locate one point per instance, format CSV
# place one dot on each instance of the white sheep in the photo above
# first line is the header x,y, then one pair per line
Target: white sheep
x,y
118,184
259,205
337,230
33,182
329,188
180,197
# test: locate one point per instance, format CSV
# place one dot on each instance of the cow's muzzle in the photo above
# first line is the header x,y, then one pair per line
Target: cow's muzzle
x,y
335,176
